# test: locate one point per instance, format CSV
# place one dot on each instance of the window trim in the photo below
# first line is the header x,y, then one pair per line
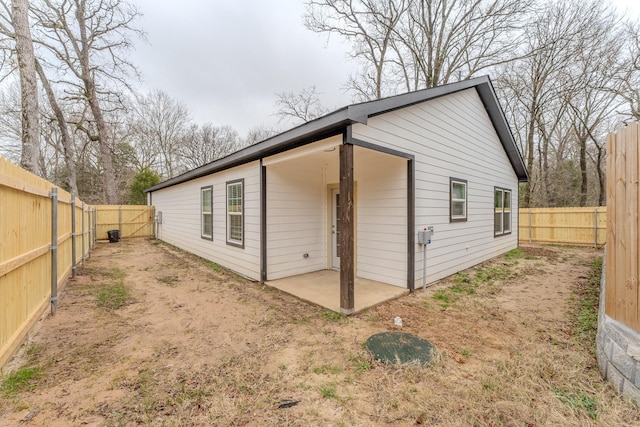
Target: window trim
x,y
502,232
231,242
458,218
202,213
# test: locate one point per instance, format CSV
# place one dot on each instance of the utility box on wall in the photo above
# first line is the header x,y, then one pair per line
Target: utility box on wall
x,y
424,236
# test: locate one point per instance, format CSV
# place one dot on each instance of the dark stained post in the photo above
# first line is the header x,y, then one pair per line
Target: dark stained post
x,y
347,271
411,224
263,223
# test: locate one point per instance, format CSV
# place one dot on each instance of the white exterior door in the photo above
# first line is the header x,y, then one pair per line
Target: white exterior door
x,y
335,228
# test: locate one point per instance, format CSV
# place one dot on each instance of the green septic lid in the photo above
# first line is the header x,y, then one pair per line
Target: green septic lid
x,y
400,348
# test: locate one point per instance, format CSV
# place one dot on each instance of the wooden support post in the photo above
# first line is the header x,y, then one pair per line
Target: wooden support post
x,y
263,222
347,231
411,225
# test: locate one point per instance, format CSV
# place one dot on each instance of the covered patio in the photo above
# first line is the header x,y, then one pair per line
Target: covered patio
x,y
338,223
323,288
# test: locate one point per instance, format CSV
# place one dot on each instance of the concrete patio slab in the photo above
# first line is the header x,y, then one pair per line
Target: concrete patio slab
x,y
323,288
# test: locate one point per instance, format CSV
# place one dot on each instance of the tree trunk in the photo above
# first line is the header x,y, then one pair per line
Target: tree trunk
x,y
91,94
530,155
67,146
108,174
544,172
28,86
583,171
601,178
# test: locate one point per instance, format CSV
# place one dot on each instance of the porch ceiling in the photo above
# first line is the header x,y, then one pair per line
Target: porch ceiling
x,y
323,288
326,152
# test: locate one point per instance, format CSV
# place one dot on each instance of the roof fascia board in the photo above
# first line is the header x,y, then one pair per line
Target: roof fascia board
x,y
385,105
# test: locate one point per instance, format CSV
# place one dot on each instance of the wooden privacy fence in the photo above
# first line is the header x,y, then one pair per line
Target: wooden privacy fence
x,y
132,221
622,301
44,234
576,226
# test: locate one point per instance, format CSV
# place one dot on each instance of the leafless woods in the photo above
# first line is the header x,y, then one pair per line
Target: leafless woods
x,y
566,72
87,129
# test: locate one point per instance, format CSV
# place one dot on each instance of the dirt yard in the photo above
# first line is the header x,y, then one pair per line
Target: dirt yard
x,y
149,335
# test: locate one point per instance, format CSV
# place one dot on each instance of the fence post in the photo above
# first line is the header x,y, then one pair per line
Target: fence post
x,y
120,220
153,222
73,237
89,230
95,227
83,235
595,228
529,225
54,250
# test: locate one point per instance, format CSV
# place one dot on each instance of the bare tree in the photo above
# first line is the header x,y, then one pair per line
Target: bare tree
x,y
67,145
540,83
147,155
66,140
629,75
414,44
161,123
258,134
299,107
593,100
455,40
369,25
21,33
11,122
557,64
88,38
204,144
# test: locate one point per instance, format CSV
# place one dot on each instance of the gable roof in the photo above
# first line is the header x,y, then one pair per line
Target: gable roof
x,y
334,123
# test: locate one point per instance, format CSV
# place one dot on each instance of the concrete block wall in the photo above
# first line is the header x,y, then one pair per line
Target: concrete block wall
x,y
618,351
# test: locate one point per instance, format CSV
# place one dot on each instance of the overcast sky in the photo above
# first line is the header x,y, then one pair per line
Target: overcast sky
x,y
225,59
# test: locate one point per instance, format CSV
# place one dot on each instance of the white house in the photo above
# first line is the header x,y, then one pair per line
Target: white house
x,y
350,190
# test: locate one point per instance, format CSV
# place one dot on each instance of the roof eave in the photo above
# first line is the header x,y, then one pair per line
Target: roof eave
x,y
487,94
336,122
331,124
496,114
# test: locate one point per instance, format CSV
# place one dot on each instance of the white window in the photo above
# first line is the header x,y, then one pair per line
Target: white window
x,y
502,212
235,213
457,200
206,210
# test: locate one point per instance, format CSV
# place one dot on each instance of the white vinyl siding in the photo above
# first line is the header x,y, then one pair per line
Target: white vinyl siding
x,y
296,218
235,213
448,136
181,215
381,217
206,231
